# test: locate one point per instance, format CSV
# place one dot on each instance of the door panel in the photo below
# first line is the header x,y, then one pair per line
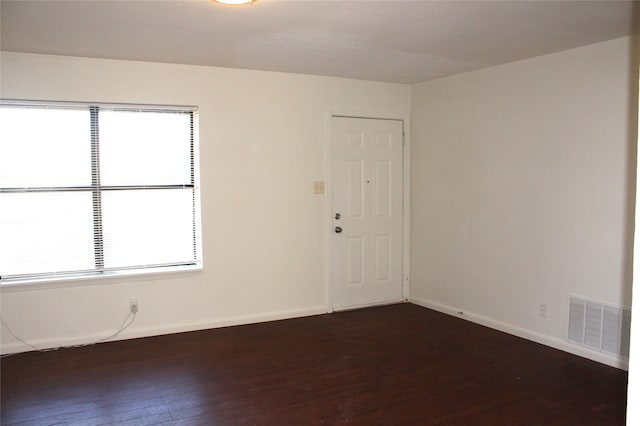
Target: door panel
x,y
367,194
355,193
382,192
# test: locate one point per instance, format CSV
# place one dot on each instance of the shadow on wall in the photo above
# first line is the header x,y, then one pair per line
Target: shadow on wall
x,y
632,147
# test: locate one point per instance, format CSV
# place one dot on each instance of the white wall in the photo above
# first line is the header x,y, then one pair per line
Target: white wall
x,y
633,390
262,144
523,189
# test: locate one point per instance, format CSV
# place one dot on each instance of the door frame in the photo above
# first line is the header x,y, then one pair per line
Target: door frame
x,y
406,193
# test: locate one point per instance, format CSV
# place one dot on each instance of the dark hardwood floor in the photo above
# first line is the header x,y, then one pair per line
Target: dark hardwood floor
x,y
390,365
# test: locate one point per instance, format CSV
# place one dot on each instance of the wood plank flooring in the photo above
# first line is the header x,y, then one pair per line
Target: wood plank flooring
x,y
391,365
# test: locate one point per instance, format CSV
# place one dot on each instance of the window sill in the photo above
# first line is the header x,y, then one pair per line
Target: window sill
x,y
14,285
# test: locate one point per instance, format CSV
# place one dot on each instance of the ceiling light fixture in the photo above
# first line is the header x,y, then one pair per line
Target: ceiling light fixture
x,y
234,2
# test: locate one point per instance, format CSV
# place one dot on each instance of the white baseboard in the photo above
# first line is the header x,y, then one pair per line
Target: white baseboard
x,y
546,340
133,333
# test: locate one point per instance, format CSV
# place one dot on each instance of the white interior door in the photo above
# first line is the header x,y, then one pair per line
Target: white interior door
x,y
367,211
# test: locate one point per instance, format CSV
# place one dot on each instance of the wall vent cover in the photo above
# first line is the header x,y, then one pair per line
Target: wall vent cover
x,y
599,326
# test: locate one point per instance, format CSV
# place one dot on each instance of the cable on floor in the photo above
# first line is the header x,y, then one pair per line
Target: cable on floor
x,y
129,319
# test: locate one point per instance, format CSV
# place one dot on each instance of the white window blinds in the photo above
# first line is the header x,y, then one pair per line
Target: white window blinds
x,y
93,189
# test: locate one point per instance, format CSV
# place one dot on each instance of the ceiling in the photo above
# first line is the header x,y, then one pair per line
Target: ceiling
x,y
393,41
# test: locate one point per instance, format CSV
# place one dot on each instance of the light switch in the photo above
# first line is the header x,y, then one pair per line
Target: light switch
x,y
318,187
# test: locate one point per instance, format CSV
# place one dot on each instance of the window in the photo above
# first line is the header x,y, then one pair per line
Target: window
x,y
97,190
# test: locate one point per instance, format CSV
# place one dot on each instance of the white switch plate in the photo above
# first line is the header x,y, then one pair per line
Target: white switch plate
x,y
318,187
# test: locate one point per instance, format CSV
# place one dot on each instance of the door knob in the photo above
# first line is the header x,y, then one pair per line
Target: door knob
x,y
337,229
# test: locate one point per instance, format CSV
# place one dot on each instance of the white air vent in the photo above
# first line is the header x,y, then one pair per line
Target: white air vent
x,y
598,326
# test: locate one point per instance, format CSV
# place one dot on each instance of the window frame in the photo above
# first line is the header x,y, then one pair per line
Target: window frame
x,y
53,279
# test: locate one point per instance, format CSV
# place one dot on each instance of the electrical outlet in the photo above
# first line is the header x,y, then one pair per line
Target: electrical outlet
x,y
133,306
543,310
